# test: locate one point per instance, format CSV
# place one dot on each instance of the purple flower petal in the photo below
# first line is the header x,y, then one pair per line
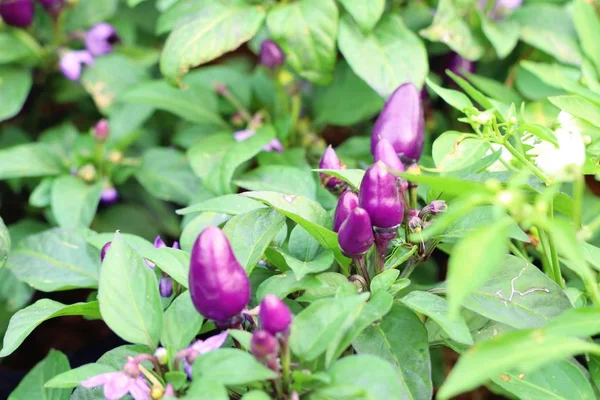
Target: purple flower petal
x,y
210,344
158,243
100,38
70,63
139,389
246,134
99,379
274,145
117,387
175,245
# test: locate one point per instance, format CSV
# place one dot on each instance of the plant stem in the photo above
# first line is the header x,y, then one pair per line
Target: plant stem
x,y
536,171
412,189
578,191
551,255
383,237
410,267
227,95
361,267
285,364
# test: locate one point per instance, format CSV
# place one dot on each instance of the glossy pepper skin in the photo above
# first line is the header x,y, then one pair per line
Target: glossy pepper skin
x,y
218,284
356,233
263,344
330,160
378,195
271,54
401,123
17,13
275,316
384,152
347,202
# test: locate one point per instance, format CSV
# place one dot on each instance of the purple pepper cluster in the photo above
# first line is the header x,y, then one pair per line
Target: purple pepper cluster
x,y
266,343
373,215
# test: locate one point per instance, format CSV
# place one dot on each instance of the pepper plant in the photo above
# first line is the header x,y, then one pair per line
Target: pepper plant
x,y
305,199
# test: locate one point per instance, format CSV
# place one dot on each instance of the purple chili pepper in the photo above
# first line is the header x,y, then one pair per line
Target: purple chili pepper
x,y
275,316
271,54
17,13
330,160
218,284
356,233
378,195
347,202
385,153
401,123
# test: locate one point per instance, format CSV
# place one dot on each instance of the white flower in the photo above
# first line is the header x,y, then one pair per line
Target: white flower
x,y
564,162
482,118
498,165
568,122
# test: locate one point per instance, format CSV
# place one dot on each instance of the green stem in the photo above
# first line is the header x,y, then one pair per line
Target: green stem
x,y
412,189
226,93
536,171
594,225
361,267
578,192
285,364
410,267
551,255
516,251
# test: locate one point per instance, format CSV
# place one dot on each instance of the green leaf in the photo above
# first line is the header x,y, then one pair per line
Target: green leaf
x,y
109,78
32,385
385,58
587,25
519,295
580,322
179,12
503,35
401,339
29,160
17,46
27,319
195,104
55,259
166,174
302,268
453,151
280,178
197,225
174,262
560,380
315,327
176,378
346,101
182,322
128,295
251,233
89,12
214,30
307,213
5,243
256,395
578,107
436,308
494,89
203,388
221,174
453,97
353,177
306,32
376,308
41,195
549,28
450,28
522,350
445,184
474,259
73,378
357,372
244,338
15,84
231,204
366,13
231,367
74,202
136,242
286,283
384,280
